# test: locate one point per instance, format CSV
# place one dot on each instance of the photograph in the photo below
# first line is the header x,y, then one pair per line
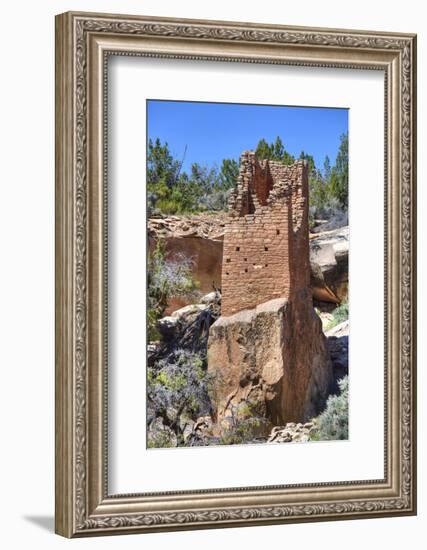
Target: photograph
x,y
247,321
235,271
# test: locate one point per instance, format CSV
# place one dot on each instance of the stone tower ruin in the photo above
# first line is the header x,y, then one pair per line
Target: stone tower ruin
x,y
267,351
266,253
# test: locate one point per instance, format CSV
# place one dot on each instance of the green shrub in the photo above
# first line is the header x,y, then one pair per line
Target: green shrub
x,y
174,191
244,425
160,440
340,315
177,389
333,422
165,280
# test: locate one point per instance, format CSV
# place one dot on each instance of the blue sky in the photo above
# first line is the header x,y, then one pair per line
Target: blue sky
x,y
214,131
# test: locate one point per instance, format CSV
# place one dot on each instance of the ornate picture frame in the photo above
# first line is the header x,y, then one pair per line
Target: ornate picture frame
x,y
84,42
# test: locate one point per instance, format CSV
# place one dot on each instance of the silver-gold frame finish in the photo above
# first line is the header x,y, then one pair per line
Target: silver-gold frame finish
x,y
83,43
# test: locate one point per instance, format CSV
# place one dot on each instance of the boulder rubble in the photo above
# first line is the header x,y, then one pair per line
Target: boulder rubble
x,y
292,432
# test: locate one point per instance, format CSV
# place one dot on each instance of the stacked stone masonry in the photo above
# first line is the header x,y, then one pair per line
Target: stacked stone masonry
x,y
266,249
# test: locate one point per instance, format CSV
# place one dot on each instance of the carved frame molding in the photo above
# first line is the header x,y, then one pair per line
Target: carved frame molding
x,y
83,44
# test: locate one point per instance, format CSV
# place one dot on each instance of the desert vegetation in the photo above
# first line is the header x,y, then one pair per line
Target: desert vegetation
x,y
339,315
167,278
171,190
177,393
332,424
174,191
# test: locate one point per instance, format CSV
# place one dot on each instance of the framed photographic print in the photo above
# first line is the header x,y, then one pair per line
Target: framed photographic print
x,y
235,274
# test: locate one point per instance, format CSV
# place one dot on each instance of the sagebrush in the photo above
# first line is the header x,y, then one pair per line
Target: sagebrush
x,y
166,279
333,422
178,390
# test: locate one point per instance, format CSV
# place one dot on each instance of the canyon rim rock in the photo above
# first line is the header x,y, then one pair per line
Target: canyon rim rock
x,y
199,238
267,353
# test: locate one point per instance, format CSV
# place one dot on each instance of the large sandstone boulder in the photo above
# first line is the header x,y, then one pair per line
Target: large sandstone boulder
x,y
329,265
273,358
186,328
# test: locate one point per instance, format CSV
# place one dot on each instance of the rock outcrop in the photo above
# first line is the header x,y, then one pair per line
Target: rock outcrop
x,y
329,265
272,357
197,237
204,226
186,328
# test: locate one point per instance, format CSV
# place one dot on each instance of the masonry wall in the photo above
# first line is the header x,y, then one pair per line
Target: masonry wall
x,y
300,262
256,264
266,243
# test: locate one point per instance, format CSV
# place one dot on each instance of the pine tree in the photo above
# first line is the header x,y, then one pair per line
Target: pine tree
x,y
273,151
310,160
341,169
327,169
228,174
278,149
263,150
161,166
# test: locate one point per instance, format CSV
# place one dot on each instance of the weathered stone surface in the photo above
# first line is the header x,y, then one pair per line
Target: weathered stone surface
x,y
201,432
167,326
292,433
188,311
274,357
197,237
329,265
342,329
187,328
170,325
204,226
210,298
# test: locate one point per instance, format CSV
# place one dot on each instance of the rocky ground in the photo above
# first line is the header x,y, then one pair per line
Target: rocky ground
x,y
187,328
292,433
337,343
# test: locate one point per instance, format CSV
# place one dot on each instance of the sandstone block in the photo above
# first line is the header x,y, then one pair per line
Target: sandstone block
x,y
272,357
